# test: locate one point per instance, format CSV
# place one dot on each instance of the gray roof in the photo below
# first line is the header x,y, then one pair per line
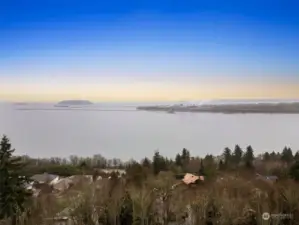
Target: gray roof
x,y
45,177
271,177
267,177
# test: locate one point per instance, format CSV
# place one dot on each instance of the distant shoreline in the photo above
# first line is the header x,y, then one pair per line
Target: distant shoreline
x,y
265,108
67,103
74,109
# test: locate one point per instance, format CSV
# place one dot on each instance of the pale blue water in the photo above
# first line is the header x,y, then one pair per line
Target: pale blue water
x,y
117,130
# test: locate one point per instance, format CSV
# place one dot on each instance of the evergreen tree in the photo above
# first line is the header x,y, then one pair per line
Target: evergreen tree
x,y
159,163
185,158
273,156
185,154
178,160
266,156
83,166
135,173
201,169
237,156
209,160
227,154
296,156
146,162
13,192
249,157
294,171
168,163
287,155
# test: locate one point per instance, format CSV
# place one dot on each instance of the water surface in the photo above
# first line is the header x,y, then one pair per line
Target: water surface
x,y
120,131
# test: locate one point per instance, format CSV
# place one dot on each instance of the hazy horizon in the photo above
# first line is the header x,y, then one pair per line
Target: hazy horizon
x,y
161,101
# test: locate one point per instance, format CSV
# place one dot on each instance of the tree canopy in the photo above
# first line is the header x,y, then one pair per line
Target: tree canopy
x,y
13,192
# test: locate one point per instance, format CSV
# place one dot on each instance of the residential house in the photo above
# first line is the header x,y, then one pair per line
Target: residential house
x,y
62,184
272,179
117,171
81,179
192,179
45,178
55,180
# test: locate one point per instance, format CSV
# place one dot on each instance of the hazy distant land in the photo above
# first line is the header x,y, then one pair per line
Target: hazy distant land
x,y
282,108
73,103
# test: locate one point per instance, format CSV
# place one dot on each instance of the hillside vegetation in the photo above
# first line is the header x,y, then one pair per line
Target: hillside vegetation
x,y
151,192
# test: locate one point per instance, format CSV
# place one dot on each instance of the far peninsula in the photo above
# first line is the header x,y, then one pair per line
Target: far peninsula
x,y
268,108
66,103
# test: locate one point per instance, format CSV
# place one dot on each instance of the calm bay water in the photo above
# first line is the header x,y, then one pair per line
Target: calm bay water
x,y
120,131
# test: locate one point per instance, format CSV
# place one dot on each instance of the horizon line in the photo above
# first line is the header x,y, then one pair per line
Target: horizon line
x,y
138,101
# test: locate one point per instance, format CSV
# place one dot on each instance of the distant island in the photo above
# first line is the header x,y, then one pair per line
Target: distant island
x,y
66,103
282,108
20,103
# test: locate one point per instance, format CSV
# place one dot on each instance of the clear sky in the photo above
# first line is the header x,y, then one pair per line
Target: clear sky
x,y
148,50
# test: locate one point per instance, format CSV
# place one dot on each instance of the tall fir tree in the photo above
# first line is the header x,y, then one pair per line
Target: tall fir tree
x,y
13,192
287,155
248,157
294,171
266,156
159,163
178,160
227,154
146,162
237,155
273,156
185,159
202,168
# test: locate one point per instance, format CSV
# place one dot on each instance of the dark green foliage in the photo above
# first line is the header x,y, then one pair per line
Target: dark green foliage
x,y
178,160
210,166
266,156
60,170
146,163
185,158
159,163
274,156
13,193
209,159
294,171
248,157
227,154
237,155
136,173
185,155
287,155
83,165
156,163
126,217
179,176
202,169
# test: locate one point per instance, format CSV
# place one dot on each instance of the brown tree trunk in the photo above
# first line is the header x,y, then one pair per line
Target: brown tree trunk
x,y
14,220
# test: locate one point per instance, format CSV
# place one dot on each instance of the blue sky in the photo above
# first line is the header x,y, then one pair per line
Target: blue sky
x,y
155,45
